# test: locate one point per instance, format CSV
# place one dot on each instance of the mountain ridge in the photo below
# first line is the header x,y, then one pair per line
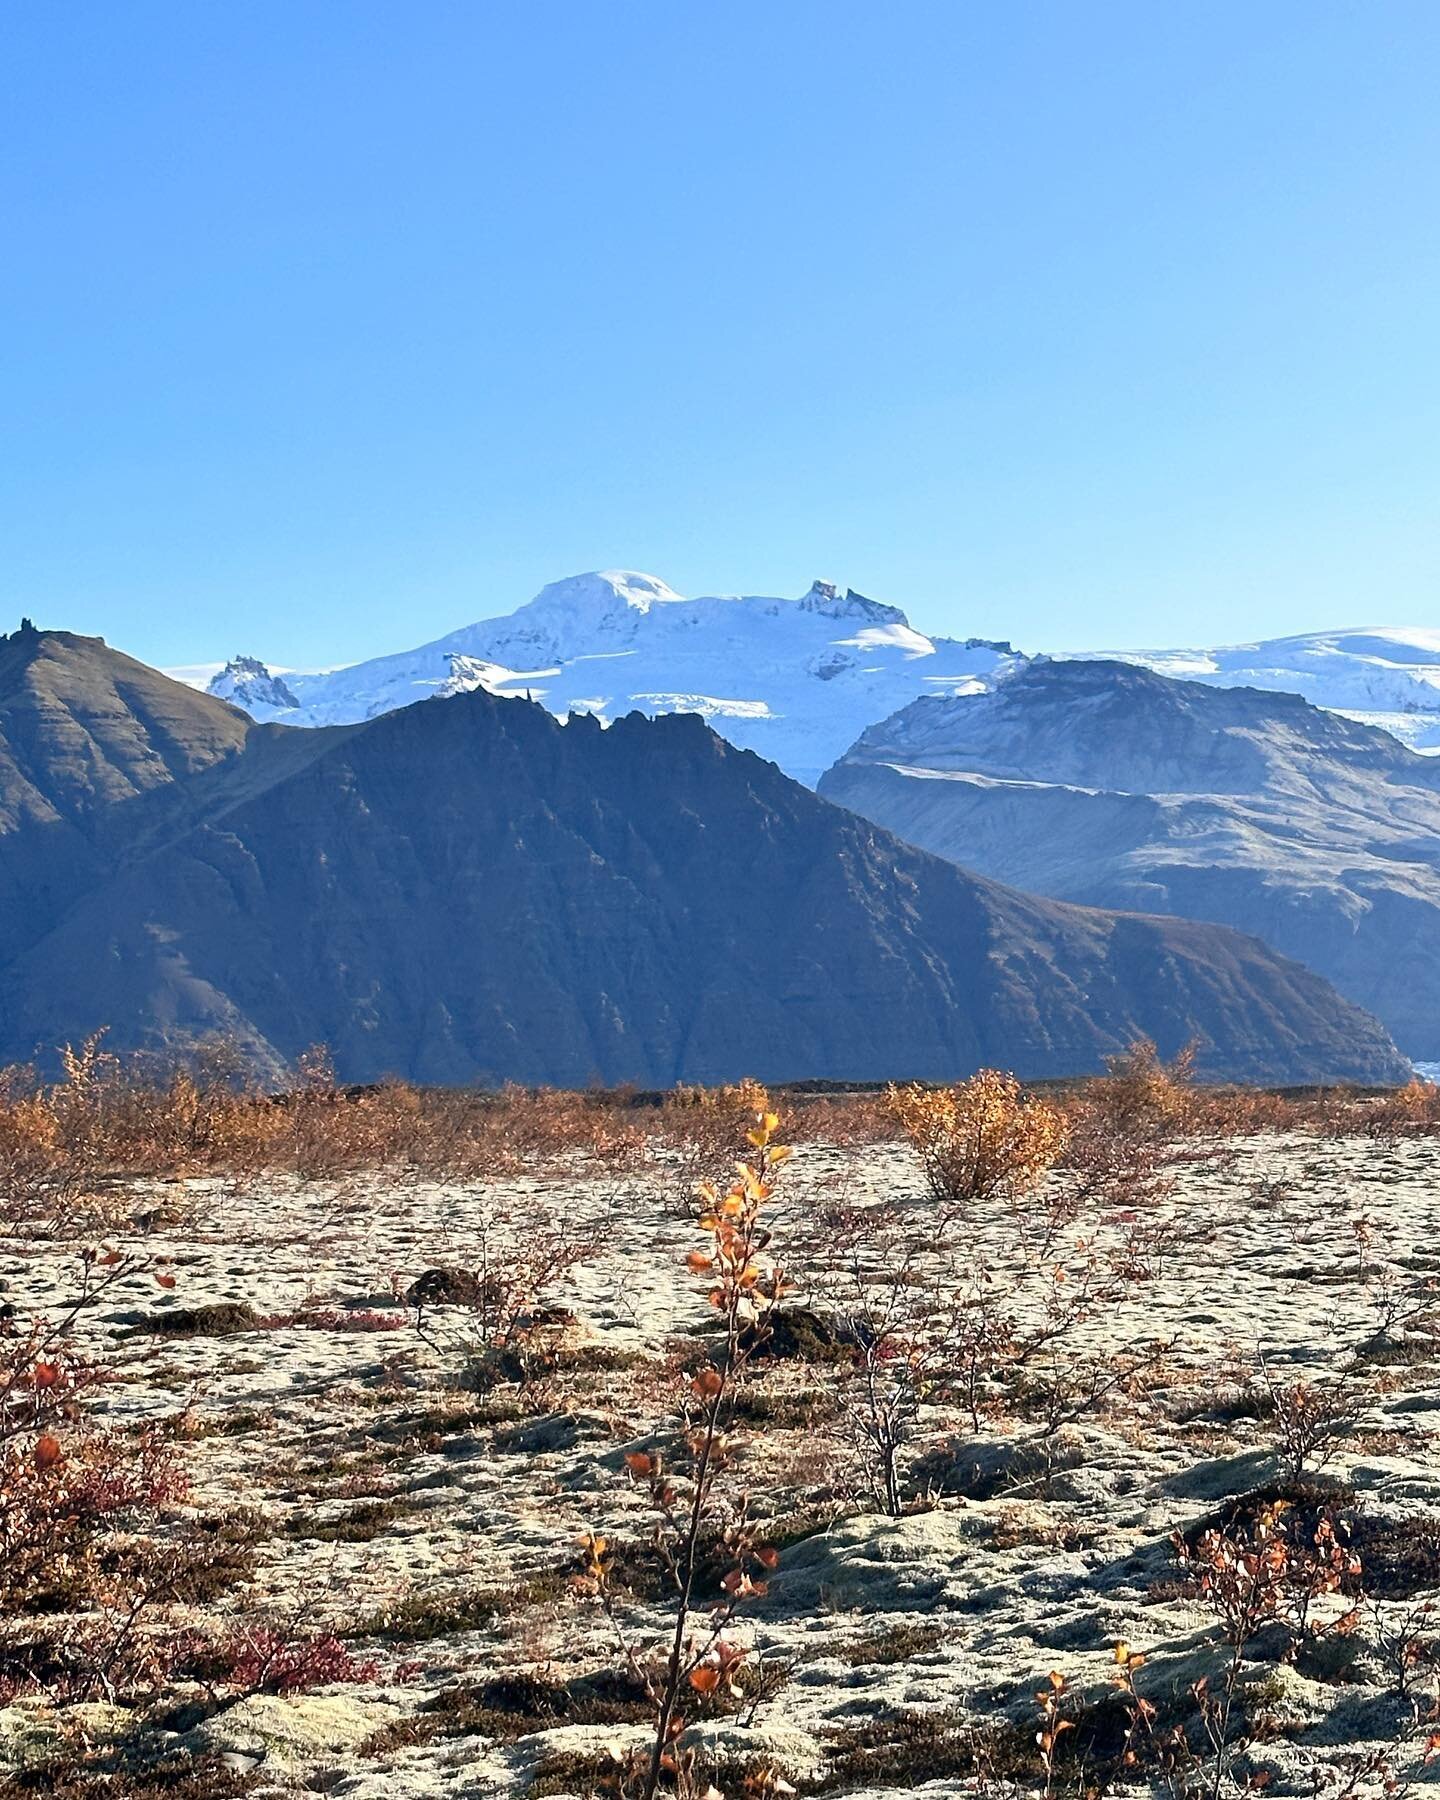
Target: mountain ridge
x,y
473,890
1107,784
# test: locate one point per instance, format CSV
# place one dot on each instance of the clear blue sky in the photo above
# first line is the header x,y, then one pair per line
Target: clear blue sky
x,y
326,327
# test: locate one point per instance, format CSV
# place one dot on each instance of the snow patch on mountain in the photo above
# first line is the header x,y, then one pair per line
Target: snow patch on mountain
x,y
1385,675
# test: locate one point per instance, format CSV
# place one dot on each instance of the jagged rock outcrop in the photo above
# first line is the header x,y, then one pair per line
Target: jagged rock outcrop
x,y
246,682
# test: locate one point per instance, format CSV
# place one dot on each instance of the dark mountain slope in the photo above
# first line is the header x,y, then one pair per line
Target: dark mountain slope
x,y
83,727
93,747
468,890
1110,785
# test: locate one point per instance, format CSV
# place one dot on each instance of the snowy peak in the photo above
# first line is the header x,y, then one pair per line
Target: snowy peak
x,y
248,683
799,679
601,596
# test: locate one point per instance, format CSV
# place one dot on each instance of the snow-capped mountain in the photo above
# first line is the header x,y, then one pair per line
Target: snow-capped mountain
x,y
795,680
1381,675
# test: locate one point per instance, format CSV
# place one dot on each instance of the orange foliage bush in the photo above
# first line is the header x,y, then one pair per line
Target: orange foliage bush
x,y
981,1139
1141,1095
698,1662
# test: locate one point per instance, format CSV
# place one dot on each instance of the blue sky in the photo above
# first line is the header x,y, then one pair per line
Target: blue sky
x,y
328,327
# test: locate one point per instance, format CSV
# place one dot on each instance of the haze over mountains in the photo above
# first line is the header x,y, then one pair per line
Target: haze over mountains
x,y
1104,783
470,890
795,680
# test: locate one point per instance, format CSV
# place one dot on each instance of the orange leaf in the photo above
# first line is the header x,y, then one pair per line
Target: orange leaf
x,y
704,1680
638,1463
46,1374
165,1281
47,1451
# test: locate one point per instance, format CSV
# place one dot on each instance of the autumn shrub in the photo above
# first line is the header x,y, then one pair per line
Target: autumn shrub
x,y
270,1657
957,1317
37,1184
1141,1095
62,1477
1228,1112
981,1139
474,1134
699,1518
67,1143
898,1299
502,1297
695,1132
849,1120
1257,1572
1310,1420
1403,1112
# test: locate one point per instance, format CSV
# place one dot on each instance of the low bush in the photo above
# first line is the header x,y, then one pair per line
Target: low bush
x,y
982,1139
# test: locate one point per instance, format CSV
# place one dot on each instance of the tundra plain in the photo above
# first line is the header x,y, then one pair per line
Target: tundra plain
x,y
1165,1512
